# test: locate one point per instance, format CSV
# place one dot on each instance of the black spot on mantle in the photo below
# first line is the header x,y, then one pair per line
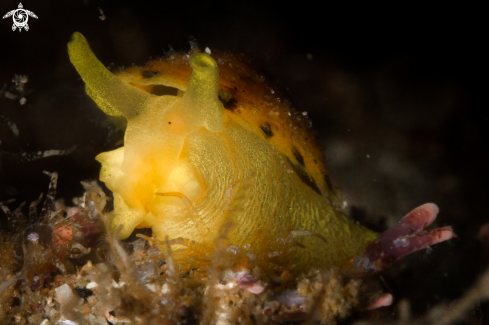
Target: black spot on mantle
x,y
298,156
267,129
304,176
148,74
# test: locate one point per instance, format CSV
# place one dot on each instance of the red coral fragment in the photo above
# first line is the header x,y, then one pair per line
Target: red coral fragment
x,y
383,300
62,235
404,238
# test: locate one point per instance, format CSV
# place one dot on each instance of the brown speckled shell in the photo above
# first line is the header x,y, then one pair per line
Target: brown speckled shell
x,y
247,94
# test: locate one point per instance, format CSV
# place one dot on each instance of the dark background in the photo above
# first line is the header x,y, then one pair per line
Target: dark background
x,y
394,93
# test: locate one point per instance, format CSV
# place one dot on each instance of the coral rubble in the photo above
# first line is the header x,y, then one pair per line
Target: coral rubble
x,y
60,268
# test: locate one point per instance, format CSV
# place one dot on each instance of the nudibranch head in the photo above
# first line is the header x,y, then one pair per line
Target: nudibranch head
x,y
189,164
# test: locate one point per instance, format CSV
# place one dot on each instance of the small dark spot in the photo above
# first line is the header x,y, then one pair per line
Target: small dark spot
x,y
169,122
307,179
304,177
148,74
229,103
16,302
110,313
298,156
161,90
83,292
267,129
328,182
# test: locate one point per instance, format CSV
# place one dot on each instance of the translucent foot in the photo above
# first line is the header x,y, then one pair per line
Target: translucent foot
x,y
406,237
184,259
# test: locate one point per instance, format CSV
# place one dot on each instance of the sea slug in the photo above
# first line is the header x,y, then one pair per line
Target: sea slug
x,y
208,142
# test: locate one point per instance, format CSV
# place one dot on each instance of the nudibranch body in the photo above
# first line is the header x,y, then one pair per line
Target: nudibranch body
x,y
208,143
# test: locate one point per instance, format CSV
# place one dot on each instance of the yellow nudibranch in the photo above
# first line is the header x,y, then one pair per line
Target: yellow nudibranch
x,y
206,144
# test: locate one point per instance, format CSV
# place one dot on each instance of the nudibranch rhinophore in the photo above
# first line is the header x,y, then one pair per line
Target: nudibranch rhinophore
x,y
208,143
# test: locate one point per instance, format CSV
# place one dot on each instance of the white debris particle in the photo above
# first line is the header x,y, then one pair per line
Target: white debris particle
x,y
67,322
92,285
234,249
19,319
165,289
111,319
272,91
48,153
250,256
102,15
401,242
193,43
368,156
151,287
344,204
117,285
9,95
273,254
64,293
20,80
208,50
220,286
304,113
53,152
